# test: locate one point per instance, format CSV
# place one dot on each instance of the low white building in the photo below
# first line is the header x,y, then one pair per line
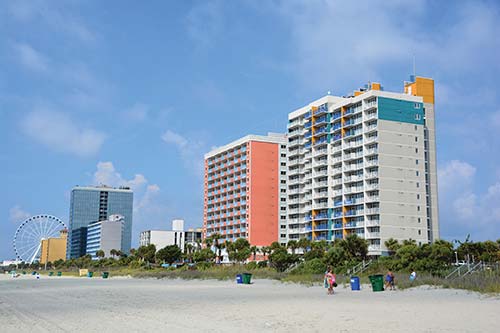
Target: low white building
x,y
162,238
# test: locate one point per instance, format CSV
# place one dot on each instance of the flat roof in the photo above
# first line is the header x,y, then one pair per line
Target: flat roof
x,y
102,188
342,101
270,138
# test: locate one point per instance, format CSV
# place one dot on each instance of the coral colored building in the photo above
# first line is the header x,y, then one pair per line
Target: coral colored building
x,y
245,190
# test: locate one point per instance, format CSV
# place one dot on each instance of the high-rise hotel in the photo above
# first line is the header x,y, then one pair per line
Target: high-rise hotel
x,y
245,190
364,164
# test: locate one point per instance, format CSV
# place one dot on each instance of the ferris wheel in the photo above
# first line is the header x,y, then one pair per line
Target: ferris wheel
x,y
28,237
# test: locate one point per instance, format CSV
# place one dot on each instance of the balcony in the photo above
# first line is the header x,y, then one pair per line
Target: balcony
x,y
371,116
374,248
370,128
352,144
321,227
321,109
353,178
351,167
354,212
320,152
319,142
372,186
320,173
371,175
371,211
353,189
372,223
320,205
370,139
372,163
321,216
372,199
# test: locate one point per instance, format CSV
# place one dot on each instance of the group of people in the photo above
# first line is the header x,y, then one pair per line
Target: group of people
x,y
390,280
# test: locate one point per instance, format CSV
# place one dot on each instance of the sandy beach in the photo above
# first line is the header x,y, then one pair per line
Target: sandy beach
x,y
124,304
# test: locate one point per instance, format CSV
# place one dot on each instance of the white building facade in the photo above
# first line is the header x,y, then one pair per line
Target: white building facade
x,y
364,165
162,238
105,236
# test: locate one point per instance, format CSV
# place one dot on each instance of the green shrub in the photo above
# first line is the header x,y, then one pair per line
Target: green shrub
x,y
251,265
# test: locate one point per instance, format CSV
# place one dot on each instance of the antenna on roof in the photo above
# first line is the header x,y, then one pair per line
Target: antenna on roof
x,y
414,70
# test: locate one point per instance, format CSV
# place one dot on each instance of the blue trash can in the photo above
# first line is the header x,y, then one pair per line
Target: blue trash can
x,y
239,278
355,283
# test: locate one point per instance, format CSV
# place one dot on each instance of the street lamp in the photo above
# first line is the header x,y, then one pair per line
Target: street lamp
x,y
456,257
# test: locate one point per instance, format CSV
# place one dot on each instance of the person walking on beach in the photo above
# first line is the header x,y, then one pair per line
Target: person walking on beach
x,y
413,276
330,280
389,281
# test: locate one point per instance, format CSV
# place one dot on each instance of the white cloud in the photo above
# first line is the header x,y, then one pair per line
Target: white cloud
x,y
57,131
338,44
147,204
455,174
463,208
30,58
106,174
177,139
190,150
148,197
17,214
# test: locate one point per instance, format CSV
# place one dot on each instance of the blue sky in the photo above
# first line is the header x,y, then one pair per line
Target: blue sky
x,y
133,93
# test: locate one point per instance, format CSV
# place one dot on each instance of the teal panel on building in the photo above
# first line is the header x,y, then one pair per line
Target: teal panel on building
x,y
401,111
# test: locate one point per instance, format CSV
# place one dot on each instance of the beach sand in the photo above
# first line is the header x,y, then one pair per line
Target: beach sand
x,y
131,305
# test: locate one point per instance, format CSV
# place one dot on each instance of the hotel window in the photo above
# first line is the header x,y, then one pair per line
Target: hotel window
x,y
418,117
417,105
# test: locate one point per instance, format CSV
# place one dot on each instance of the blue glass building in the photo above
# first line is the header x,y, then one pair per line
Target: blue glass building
x,y
91,204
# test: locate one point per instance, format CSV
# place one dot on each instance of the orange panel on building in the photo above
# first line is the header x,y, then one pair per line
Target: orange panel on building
x,y
264,193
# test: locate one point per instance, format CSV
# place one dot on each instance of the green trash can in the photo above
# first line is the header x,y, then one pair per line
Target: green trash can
x,y
24,272
377,282
105,275
51,273
90,274
247,277
59,273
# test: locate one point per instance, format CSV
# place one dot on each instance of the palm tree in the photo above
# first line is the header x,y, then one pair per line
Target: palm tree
x,y
113,253
304,243
254,249
392,245
265,250
100,254
292,245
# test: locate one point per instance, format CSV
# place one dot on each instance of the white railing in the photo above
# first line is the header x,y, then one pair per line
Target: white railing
x,y
372,186
374,247
372,223
320,205
372,210
371,175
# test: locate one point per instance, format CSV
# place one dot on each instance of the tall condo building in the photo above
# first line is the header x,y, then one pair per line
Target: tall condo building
x,y
91,204
245,190
364,164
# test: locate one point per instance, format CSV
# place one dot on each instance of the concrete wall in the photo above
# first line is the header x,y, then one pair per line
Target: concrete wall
x,y
401,181
111,236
